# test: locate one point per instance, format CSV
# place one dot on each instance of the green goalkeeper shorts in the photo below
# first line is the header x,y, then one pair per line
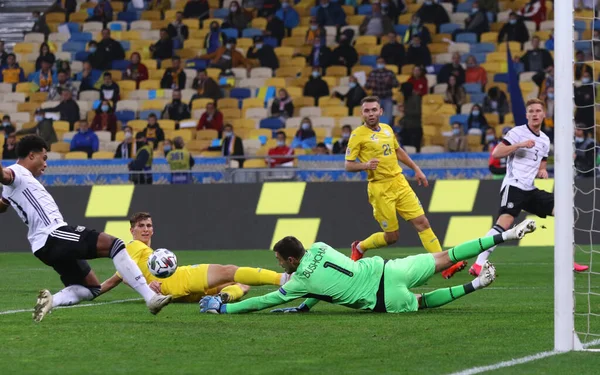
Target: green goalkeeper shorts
x,y
403,274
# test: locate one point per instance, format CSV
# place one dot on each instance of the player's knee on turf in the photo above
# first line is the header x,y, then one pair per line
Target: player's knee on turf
x,y
392,237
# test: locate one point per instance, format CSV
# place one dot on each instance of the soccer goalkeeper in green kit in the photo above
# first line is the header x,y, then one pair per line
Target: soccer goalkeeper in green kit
x,y
323,274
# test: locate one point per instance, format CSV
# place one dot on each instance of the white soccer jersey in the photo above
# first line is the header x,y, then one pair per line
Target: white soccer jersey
x,y
34,205
522,166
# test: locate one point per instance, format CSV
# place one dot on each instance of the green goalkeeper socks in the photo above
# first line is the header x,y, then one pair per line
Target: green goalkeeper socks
x,y
443,296
472,248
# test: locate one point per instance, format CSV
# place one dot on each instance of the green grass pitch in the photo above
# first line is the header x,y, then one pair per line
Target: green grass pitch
x,y
511,319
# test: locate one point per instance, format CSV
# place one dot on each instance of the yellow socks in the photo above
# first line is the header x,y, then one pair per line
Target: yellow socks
x,y
256,276
375,241
235,292
430,241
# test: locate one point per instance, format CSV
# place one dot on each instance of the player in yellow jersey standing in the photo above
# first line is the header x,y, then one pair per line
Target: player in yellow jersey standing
x,y
378,152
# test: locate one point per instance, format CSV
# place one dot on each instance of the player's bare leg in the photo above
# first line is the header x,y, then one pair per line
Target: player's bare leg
x,y
374,241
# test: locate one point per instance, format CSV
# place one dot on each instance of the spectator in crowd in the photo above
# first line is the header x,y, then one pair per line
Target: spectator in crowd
x,y
476,23
548,99
581,66
7,127
321,149
389,9
174,76
163,49
340,146
595,45
514,30
537,59
282,105
63,6
455,94
43,128
411,123
205,87
89,77
275,28
419,81
393,52
9,150
109,90
382,81
177,30
94,57
45,55
475,73
85,139
215,38
142,161
585,154
231,145
497,166
288,15
181,162
345,54
226,57
62,83
416,27
167,147
68,108
109,50
3,54
136,71
354,95
153,133
280,155
316,87
534,10
584,4
418,53
452,69
305,136
489,139
11,72
102,12
105,119
476,119
315,31
545,79
457,142
264,53
176,110
268,8
377,23
212,118
44,78
432,12
320,55
330,14
496,102
584,101
39,24
127,148
237,17
160,5
198,9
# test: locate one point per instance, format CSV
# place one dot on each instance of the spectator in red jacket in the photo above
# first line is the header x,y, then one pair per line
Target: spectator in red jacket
x,y
419,81
136,71
534,10
211,119
105,119
281,150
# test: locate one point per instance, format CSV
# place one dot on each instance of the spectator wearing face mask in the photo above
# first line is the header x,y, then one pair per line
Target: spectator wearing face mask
x,y
288,15
453,68
282,106
474,72
545,79
393,52
231,145
212,118
390,10
489,139
321,149
176,110
585,154
226,57
580,66
215,38
153,133
127,148
330,14
432,12
340,146
316,87
167,147
85,139
163,48
476,22
417,53
382,81
457,141
320,55
7,126
514,30
237,17
109,90
354,95
264,53
142,161
43,128
377,23
305,136
476,119
496,102
315,31
280,156
534,10
9,150
105,119
39,24
62,83
174,76
345,54
275,28
178,31
416,27
419,81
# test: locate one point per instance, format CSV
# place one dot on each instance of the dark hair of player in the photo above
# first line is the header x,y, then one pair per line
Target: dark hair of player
x,y
369,99
30,143
289,247
139,216
534,101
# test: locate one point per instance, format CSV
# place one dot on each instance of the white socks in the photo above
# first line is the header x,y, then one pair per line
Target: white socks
x,y
72,295
483,257
132,275
476,283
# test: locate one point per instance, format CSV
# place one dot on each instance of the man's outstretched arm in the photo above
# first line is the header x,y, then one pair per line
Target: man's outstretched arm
x,y
255,303
110,283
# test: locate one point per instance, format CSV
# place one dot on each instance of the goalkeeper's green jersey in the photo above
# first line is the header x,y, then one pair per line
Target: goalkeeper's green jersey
x,y
327,275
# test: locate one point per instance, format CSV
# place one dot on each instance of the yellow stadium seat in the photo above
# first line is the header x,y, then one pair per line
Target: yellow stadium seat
x,y
206,134
79,17
253,103
489,37
255,163
366,39
117,75
206,23
255,133
167,124
131,35
356,20
191,23
283,52
186,134
127,85
297,41
25,48
151,15
299,31
76,155
138,125
162,24
55,17
348,9
61,147
331,81
200,103
193,43
117,6
158,104
326,101
28,106
338,111
61,126
243,123
436,48
211,154
337,71
433,99
213,73
287,72
156,74
303,101
171,14
199,34
441,38
275,82
228,103
446,109
393,68
362,68
493,119
198,144
407,69
38,97
232,114
150,85
103,155
259,23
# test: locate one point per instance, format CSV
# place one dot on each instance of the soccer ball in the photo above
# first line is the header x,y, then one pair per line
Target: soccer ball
x,y
162,263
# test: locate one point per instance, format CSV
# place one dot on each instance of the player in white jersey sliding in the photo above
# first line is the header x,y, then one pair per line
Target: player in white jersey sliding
x,y
527,149
60,246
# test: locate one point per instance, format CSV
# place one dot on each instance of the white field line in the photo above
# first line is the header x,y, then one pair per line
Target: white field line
x,y
7,312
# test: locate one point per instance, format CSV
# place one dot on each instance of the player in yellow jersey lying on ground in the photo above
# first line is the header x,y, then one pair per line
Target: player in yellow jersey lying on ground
x,y
191,283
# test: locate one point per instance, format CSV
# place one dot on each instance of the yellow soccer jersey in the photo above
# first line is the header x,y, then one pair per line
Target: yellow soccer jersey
x,y
140,252
366,144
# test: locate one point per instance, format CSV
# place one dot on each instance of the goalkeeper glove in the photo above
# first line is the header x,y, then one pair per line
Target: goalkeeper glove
x,y
212,305
300,309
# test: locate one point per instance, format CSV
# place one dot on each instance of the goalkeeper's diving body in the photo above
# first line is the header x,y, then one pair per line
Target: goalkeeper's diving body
x,y
323,274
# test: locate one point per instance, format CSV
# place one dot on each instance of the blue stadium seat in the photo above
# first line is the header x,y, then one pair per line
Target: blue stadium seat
x,y
400,29
581,26
240,93
478,98
128,16
272,123
470,38
81,55
483,47
220,13
369,60
196,64
583,45
115,27
472,88
231,33
481,57
73,27
461,119
364,10
313,11
437,68
80,37
270,41
449,28
124,116
144,114
251,33
386,120
465,7
120,64
491,17
74,46
501,77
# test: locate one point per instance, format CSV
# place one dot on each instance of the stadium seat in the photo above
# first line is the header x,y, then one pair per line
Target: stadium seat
x,y
364,10
449,28
255,163
251,33
146,113
472,88
74,46
273,123
80,37
470,38
368,60
461,119
102,155
240,93
76,155
125,116
206,134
